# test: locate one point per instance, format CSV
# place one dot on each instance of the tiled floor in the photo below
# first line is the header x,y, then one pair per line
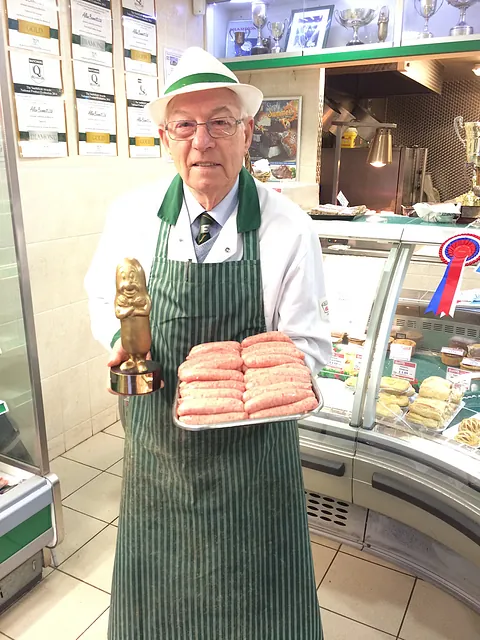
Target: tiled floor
x,y
362,597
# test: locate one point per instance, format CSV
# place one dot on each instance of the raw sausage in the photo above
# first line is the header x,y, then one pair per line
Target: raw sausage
x,y
195,373
213,353
254,374
303,406
207,347
274,347
267,360
277,398
268,336
209,406
216,418
277,386
211,393
214,384
268,380
222,361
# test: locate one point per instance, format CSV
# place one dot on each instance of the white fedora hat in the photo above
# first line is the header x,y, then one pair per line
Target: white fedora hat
x,y
198,70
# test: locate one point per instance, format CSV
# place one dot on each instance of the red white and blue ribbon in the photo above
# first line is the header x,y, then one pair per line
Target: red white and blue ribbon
x,y
457,253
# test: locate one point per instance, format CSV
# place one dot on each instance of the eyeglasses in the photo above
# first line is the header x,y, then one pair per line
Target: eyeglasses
x,y
217,128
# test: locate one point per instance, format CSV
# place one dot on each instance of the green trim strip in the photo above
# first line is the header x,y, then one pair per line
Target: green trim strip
x,y
24,533
197,78
356,54
248,218
115,338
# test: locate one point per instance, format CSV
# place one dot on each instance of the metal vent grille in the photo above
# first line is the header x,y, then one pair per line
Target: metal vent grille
x,y
327,509
438,327
426,120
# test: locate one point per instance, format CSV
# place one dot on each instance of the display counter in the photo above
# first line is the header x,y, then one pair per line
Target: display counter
x,y
392,462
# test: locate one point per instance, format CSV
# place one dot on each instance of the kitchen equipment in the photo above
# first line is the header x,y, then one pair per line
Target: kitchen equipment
x,y
354,19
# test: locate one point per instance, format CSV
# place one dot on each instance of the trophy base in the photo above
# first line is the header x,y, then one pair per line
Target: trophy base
x,y
127,383
461,30
276,50
258,50
354,43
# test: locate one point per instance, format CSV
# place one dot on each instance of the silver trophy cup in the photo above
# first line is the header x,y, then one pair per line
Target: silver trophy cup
x,y
239,38
426,9
277,29
354,19
259,19
461,28
471,142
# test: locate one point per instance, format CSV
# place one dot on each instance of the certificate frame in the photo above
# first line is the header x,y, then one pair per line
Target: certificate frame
x,y
317,20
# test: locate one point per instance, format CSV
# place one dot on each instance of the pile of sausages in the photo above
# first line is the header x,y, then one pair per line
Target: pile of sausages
x,y
265,376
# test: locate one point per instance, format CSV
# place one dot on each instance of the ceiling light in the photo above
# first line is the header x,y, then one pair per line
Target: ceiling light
x,y
476,69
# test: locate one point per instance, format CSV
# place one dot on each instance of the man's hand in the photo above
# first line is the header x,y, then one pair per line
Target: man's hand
x,y
117,354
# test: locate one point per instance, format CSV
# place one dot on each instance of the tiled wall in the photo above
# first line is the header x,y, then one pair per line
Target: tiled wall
x,y
292,83
426,277
64,204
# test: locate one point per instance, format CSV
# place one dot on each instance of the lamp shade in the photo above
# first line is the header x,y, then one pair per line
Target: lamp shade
x,y
380,152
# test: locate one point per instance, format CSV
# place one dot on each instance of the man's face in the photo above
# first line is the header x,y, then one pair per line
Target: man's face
x,y
208,165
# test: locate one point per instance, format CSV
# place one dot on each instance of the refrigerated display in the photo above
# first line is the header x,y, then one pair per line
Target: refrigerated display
x,y
30,504
392,462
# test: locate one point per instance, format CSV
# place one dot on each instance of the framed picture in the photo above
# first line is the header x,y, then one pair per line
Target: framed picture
x,y
309,28
276,136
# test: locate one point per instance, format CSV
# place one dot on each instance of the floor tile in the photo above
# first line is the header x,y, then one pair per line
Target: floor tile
x,y
72,474
93,563
116,430
115,523
325,541
100,498
352,551
2,637
59,608
435,615
322,558
117,468
99,451
98,630
337,627
79,529
366,592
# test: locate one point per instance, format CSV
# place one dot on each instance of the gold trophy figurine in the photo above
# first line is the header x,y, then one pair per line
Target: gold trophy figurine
x,y
137,375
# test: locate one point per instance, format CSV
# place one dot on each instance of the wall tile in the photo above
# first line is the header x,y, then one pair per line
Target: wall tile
x,y
75,396
78,434
56,447
52,406
104,419
100,399
47,343
74,337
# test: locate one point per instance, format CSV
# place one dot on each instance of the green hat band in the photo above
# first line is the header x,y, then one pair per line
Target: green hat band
x,y
196,78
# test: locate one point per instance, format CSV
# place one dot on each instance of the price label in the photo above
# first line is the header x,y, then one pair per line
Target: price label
x,y
400,336
342,199
459,378
400,351
404,370
357,362
452,352
337,361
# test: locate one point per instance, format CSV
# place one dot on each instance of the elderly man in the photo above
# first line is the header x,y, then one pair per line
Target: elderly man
x,y
213,540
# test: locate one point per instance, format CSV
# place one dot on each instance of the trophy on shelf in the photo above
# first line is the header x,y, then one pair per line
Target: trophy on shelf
x,y
383,18
259,19
426,9
277,29
239,38
354,19
137,375
461,28
471,142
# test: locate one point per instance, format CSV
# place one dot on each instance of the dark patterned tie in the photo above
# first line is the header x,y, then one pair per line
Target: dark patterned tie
x,y
206,222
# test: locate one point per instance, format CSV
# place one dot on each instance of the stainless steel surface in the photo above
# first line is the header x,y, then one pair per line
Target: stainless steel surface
x,y
8,124
335,518
16,583
56,510
356,230
25,554
248,423
124,383
24,501
383,334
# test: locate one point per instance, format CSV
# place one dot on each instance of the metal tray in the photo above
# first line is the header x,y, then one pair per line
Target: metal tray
x,y
247,423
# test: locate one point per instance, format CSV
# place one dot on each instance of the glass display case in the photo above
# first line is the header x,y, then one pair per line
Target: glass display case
x,y
399,436
30,503
306,27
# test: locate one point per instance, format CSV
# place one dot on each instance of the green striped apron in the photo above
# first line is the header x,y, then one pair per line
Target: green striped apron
x,y
213,541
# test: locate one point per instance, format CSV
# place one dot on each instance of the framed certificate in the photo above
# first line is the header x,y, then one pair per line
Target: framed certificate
x,y
33,25
144,140
92,31
140,37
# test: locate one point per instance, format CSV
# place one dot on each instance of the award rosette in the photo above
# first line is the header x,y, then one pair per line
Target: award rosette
x,y
457,253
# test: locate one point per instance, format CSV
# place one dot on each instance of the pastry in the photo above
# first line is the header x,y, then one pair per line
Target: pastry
x,y
430,408
394,385
452,357
430,423
388,410
460,342
469,432
455,397
390,398
410,392
435,387
416,336
470,364
474,351
351,382
406,342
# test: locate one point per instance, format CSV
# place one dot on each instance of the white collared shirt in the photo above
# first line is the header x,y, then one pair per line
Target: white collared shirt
x,y
290,256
